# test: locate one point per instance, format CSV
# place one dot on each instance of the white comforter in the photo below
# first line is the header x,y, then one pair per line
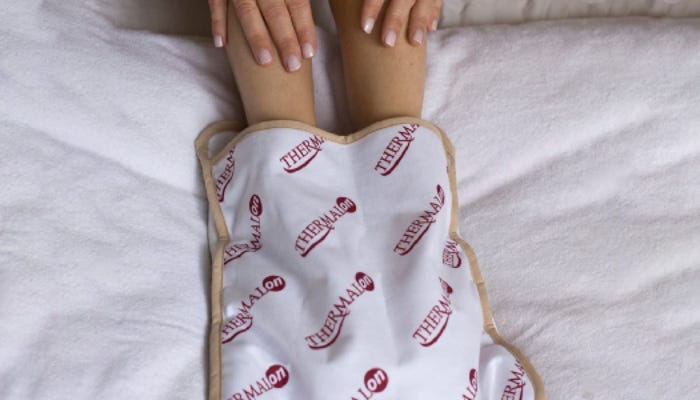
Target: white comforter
x,y
578,161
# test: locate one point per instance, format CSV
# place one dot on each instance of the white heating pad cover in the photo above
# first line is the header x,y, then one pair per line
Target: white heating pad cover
x,y
338,272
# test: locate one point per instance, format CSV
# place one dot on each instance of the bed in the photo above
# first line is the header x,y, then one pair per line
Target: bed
x,y
578,166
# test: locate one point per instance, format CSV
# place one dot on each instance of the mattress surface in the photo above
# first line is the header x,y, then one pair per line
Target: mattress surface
x,y
577,159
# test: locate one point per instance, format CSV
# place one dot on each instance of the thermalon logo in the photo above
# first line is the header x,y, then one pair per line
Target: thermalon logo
x,y
434,324
302,154
450,254
472,387
236,250
515,388
275,378
225,176
419,226
243,320
317,231
376,380
395,150
333,324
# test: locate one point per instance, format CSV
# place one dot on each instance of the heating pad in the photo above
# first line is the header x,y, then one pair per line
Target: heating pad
x,y
338,272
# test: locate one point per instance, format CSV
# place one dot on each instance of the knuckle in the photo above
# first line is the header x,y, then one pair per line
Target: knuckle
x,y
218,20
419,20
394,20
420,17
245,7
257,40
400,11
373,6
288,45
408,4
394,14
304,33
274,9
297,5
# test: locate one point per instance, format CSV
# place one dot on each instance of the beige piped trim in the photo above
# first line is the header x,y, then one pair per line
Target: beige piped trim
x,y
202,148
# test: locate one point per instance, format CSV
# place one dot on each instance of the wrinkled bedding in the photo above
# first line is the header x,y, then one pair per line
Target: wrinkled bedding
x,y
577,158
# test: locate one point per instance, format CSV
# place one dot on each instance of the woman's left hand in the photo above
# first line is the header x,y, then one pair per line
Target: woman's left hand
x,y
422,16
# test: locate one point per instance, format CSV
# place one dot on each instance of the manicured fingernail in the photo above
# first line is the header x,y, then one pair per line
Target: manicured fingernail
x,y
293,63
433,26
417,36
368,25
308,50
264,56
218,41
390,39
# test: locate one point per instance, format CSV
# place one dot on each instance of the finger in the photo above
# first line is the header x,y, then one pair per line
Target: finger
x,y
218,21
254,30
419,21
395,19
300,11
370,12
279,22
435,15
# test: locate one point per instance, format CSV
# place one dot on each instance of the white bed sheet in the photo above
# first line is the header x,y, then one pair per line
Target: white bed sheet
x,y
578,162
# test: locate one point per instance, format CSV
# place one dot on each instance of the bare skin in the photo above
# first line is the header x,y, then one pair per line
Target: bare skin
x,y
381,81
268,92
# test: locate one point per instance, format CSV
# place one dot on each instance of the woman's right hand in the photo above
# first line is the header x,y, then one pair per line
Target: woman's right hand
x,y
287,23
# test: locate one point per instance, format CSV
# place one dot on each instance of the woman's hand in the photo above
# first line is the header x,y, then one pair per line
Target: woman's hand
x,y
423,14
286,22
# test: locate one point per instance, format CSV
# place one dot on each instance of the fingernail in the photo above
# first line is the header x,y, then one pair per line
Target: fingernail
x,y
218,41
368,25
308,50
293,63
390,39
434,25
264,56
418,36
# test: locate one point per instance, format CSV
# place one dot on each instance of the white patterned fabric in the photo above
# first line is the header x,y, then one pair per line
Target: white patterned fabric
x,y
340,277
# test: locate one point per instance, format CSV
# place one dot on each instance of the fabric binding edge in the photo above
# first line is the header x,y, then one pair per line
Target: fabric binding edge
x,y
207,162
